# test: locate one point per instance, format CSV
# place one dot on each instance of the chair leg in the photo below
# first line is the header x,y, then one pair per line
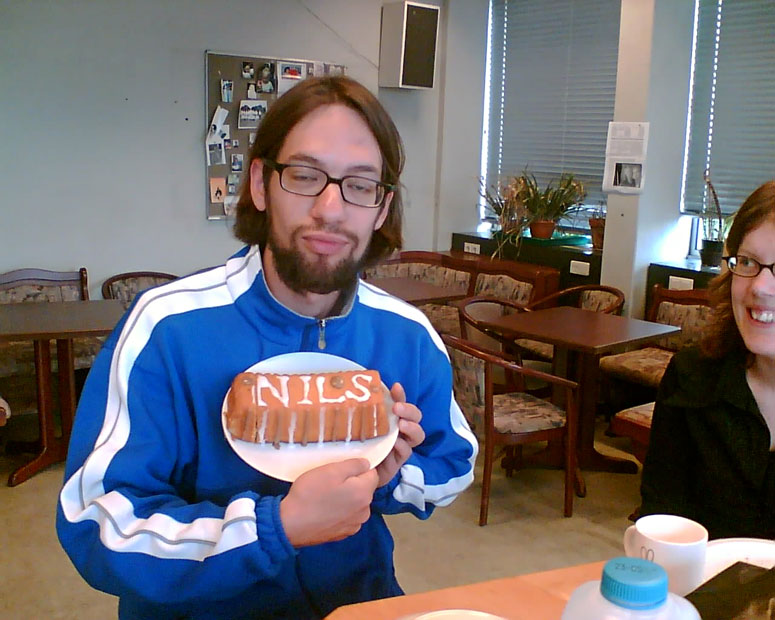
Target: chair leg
x,y
572,474
486,479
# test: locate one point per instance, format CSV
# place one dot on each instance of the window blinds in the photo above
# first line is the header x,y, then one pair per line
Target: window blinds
x,y
732,112
552,87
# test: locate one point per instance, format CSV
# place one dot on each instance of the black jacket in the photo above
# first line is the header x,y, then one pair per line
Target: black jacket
x,y
709,457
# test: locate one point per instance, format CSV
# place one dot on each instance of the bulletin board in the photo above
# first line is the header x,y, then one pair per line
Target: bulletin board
x,y
239,89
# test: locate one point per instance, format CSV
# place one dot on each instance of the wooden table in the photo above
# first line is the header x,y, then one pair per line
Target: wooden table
x,y
580,338
417,292
538,596
41,323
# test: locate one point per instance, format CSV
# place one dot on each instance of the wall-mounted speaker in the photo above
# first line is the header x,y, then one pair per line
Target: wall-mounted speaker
x,y
407,49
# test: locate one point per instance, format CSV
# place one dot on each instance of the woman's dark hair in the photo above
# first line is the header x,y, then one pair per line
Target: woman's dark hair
x,y
252,226
721,335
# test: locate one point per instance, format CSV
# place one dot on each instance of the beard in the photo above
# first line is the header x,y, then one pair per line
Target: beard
x,y
313,275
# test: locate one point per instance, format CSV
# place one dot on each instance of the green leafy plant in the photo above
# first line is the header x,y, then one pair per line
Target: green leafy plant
x,y
553,201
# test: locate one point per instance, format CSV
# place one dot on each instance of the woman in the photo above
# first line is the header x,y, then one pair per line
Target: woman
x,y
712,448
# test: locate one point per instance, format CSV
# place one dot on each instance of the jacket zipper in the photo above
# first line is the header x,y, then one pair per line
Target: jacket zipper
x,y
321,334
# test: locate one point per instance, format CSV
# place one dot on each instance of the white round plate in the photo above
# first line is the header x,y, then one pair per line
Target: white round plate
x,y
724,552
291,460
457,614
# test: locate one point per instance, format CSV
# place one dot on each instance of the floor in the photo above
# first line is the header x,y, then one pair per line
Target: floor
x,y
526,533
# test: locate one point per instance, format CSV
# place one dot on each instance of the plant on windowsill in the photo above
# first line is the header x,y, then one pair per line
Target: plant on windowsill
x,y
511,216
546,206
714,227
597,226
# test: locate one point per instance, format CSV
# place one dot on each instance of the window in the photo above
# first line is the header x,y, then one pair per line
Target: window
x,y
731,119
551,82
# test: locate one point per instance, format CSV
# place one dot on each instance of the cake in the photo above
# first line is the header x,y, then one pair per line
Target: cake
x,y
306,408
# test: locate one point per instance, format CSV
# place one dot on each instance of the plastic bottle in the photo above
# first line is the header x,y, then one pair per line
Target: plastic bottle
x,y
630,589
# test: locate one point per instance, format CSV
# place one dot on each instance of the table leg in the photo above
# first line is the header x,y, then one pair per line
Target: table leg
x,y
51,450
66,364
587,375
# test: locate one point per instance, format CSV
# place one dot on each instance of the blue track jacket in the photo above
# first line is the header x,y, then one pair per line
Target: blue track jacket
x,y
158,509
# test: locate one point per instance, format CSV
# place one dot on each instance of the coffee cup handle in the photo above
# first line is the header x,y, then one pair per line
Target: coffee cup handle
x,y
629,534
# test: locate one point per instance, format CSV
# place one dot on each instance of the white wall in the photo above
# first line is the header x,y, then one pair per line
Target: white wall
x,y
103,121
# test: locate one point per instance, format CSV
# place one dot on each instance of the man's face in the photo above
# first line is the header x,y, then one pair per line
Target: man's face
x,y
753,299
318,242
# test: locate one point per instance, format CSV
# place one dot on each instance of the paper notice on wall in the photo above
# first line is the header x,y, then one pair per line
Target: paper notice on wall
x,y
625,158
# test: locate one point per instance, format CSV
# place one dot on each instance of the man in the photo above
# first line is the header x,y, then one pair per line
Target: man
x,y
156,507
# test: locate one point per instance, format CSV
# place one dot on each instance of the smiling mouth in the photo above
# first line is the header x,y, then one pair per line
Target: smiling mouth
x,y
762,316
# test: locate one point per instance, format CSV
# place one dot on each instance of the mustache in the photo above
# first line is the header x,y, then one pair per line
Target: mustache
x,y
330,229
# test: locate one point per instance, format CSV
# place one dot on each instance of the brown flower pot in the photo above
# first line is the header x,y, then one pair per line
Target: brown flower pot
x,y
542,229
597,230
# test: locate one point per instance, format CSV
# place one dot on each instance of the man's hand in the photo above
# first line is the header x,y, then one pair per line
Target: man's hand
x,y
328,503
410,434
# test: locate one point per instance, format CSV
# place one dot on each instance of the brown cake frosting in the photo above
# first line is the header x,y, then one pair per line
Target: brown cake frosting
x,y
306,408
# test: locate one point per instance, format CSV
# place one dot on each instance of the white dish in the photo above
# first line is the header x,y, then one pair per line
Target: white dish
x,y
290,461
724,552
457,614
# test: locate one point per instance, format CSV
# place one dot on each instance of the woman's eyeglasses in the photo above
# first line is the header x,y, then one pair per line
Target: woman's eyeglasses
x,y
747,267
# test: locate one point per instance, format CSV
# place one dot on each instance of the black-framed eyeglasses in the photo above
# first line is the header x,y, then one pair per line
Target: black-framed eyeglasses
x,y
311,181
747,267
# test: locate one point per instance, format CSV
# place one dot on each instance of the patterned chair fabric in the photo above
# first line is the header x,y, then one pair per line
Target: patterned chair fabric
x,y
596,301
635,423
126,286
503,287
516,412
646,366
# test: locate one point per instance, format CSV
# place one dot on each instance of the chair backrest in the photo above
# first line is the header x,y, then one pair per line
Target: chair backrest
x,y
690,310
42,285
515,281
126,286
474,313
421,265
594,297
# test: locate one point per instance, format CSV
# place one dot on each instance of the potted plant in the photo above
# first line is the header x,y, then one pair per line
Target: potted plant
x,y
597,226
546,206
502,201
713,227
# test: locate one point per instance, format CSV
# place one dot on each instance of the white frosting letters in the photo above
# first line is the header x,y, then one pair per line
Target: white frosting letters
x,y
363,389
262,383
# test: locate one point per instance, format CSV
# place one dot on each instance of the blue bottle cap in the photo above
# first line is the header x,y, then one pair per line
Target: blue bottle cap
x,y
634,583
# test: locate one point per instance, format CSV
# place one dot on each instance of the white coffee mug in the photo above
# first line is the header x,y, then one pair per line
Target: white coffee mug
x,y
676,543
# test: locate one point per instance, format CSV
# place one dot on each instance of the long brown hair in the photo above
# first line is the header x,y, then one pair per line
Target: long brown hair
x,y
721,335
252,226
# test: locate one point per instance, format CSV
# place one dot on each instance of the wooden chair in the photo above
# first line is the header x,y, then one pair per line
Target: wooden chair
x,y
594,297
635,423
689,310
126,286
17,361
429,267
512,419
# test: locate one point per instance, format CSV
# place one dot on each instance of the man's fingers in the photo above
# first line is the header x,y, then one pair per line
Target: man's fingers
x,y
397,393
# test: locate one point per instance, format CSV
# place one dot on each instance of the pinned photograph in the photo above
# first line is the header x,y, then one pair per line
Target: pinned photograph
x,y
252,92
235,143
266,78
227,144
251,138
215,154
251,111
233,179
227,90
230,205
231,189
335,69
627,175
236,162
217,189
248,71
292,70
